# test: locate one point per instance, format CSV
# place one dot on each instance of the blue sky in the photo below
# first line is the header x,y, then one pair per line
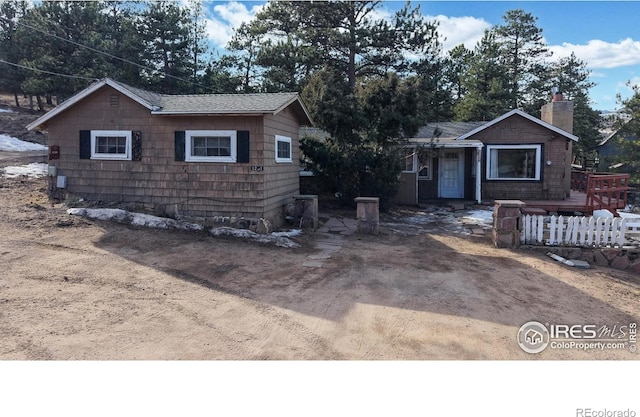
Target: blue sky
x,y
603,34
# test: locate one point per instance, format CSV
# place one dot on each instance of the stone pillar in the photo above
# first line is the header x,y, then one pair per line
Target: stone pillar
x,y
306,209
506,223
368,214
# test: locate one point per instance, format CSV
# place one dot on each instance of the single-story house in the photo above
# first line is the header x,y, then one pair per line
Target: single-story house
x,y
610,148
218,157
515,156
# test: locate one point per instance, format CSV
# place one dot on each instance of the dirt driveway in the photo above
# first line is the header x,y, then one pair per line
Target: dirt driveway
x,y
72,288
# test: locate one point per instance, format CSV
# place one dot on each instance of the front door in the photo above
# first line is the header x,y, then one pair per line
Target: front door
x,y
451,174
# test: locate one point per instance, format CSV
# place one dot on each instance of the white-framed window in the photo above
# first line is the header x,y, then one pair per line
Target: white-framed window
x,y
210,145
111,144
415,161
283,149
424,166
408,160
514,162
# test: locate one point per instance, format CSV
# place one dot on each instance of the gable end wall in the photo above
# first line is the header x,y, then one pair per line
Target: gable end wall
x,y
555,178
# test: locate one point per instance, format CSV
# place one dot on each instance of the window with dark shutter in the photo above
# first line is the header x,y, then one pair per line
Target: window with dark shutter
x,y
136,145
111,144
243,146
85,144
179,145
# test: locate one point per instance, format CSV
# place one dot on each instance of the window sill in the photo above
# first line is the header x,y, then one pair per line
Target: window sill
x,y
515,179
110,158
207,160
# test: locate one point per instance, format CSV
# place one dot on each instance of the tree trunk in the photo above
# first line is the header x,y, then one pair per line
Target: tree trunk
x,y
15,95
40,106
30,102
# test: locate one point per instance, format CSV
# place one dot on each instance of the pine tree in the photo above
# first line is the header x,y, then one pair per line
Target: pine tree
x,y
522,49
246,44
11,76
165,33
197,42
123,40
486,83
457,64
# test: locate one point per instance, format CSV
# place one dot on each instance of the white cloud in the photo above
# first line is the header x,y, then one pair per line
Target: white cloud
x,y
598,74
465,30
601,54
381,13
225,18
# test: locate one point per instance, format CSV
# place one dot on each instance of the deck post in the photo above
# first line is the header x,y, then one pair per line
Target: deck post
x,y
506,223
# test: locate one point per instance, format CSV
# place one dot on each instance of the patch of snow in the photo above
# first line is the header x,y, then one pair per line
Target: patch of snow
x,y
135,219
283,242
440,220
155,222
98,214
6,111
602,213
33,170
480,217
10,144
289,233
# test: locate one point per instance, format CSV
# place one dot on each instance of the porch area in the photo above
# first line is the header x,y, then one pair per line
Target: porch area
x,y
589,191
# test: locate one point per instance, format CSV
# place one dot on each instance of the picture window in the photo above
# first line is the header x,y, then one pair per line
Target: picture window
x,y
514,162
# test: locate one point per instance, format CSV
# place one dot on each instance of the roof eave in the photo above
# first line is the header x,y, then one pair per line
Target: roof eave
x,y
130,94
446,144
211,113
293,99
65,105
526,116
304,112
83,94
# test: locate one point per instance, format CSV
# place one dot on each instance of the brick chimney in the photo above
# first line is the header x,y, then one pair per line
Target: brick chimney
x,y
559,112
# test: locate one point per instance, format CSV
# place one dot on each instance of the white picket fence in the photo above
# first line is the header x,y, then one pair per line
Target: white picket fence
x,y
579,231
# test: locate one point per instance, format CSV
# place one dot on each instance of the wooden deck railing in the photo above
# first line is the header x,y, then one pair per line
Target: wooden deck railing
x,y
604,191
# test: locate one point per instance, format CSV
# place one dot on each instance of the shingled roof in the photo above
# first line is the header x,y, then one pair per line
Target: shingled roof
x,y
447,130
226,103
200,104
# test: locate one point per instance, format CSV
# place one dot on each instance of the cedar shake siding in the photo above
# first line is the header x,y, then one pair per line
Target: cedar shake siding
x,y
255,186
517,130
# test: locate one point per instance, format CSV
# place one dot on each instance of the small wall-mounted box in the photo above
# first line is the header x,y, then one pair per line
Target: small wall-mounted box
x,y
52,170
54,152
61,181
